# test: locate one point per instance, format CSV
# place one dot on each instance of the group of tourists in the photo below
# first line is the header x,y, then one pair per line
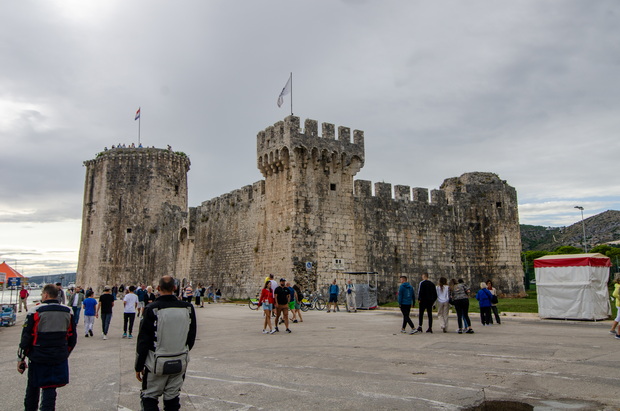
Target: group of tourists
x,y
443,296
119,145
334,291
167,333
278,299
200,294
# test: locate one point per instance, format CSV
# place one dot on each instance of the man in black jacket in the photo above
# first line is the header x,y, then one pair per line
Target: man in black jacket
x,y
160,367
427,295
48,337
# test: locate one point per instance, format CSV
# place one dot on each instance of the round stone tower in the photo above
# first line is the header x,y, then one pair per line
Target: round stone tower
x,y
487,232
135,201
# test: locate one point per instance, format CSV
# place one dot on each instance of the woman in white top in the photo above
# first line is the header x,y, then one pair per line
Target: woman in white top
x,y
443,303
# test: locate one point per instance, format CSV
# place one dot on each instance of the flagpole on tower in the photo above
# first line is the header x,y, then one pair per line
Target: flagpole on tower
x,y
291,93
138,118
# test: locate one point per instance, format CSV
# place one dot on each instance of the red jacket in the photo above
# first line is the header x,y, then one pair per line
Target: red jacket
x,y
266,295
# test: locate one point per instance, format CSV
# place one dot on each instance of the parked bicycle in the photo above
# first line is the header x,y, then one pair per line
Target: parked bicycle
x,y
313,302
305,304
253,303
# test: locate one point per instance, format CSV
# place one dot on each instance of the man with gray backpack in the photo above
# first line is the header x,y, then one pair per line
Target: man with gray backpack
x,y
167,334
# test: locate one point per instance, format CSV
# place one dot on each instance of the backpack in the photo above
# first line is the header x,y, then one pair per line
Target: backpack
x,y
171,354
494,299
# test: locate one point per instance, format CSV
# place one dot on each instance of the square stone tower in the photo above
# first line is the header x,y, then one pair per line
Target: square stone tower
x,y
309,192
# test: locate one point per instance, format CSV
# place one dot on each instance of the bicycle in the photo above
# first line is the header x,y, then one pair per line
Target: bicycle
x,y
313,302
319,303
305,304
253,303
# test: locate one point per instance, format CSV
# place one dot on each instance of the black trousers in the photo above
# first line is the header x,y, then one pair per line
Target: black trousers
x,y
33,393
406,309
426,307
485,315
496,314
128,318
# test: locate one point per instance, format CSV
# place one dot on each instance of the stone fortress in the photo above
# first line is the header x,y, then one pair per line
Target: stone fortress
x,y
307,221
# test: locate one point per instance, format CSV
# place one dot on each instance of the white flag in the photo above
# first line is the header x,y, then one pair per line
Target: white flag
x,y
285,91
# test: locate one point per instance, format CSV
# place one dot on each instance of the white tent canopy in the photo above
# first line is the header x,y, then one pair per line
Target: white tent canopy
x,y
573,286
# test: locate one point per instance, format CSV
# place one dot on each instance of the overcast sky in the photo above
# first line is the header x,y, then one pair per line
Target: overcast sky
x,y
529,90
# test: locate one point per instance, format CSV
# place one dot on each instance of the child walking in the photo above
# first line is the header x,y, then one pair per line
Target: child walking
x,y
90,308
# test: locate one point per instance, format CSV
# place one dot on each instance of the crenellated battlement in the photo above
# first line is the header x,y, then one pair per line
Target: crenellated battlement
x,y
453,191
141,155
243,197
402,193
286,144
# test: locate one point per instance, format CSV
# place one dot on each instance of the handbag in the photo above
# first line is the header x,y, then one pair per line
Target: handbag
x,y
494,299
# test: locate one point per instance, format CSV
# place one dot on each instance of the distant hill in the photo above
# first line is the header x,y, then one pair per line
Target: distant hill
x,y
65,279
601,228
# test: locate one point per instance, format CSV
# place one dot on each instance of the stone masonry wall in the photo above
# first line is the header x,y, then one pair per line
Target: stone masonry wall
x,y
466,236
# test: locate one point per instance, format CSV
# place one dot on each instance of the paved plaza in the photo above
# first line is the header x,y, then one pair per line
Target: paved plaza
x,y
348,361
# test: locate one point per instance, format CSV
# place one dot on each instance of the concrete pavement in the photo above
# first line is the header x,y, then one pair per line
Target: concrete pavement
x,y
347,361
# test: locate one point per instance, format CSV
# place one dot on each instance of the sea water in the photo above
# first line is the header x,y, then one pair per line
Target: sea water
x,y
12,296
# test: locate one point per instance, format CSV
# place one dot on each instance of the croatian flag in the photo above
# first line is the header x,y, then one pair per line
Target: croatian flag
x,y
137,114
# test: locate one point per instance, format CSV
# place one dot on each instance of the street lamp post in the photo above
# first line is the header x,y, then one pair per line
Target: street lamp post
x,y
583,225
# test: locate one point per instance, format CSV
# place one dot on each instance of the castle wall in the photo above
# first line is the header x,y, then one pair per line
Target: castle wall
x,y
308,209
226,243
472,234
313,212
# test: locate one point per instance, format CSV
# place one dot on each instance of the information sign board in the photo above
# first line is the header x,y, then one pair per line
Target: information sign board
x,y
14,282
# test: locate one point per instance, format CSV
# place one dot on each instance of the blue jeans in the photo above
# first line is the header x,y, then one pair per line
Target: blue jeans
x,y
105,322
462,313
76,314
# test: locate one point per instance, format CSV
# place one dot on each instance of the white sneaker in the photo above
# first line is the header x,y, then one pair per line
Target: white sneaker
x,y
105,337
265,331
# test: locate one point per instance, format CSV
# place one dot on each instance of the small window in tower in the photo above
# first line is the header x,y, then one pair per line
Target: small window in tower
x,y
332,187
176,190
498,204
129,231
